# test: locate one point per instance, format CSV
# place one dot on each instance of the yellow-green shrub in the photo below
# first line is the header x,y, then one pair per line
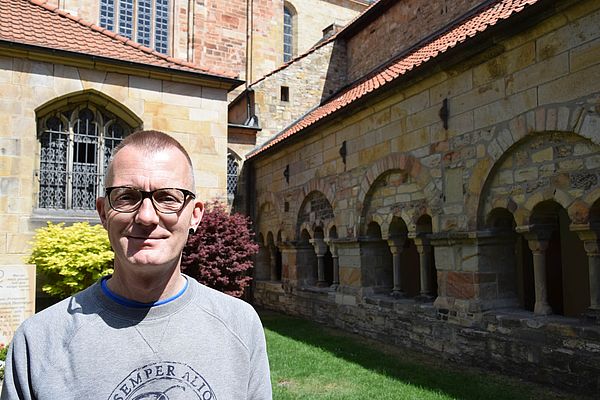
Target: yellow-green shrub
x,y
71,257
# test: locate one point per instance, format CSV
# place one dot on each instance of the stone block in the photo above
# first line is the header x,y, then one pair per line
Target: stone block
x,y
477,97
590,127
505,177
539,73
350,276
505,109
585,55
412,140
563,119
547,170
570,87
513,60
567,37
409,106
570,165
422,119
526,174
18,243
445,258
592,161
452,87
543,155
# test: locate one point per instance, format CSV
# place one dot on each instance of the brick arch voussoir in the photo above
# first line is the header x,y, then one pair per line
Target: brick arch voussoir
x,y
524,213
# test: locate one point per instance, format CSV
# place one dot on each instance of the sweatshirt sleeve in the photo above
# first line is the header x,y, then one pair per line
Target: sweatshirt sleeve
x,y
259,386
16,371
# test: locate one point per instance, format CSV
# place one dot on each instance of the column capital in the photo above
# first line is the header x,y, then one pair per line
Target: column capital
x,y
591,241
272,248
396,244
537,236
421,241
332,247
320,246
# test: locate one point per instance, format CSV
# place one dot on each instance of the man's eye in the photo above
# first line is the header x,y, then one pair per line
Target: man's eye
x,y
127,197
166,197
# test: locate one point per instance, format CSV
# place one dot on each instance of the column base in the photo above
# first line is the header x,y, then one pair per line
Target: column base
x,y
592,315
542,309
397,293
322,284
424,298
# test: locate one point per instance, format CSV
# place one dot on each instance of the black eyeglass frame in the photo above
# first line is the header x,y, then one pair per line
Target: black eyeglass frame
x,y
149,194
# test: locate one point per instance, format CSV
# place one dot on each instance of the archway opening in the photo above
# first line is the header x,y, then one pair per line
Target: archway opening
x,y
566,278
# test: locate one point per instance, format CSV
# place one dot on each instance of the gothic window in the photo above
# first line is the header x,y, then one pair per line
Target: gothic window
x,y
288,34
232,176
76,144
145,21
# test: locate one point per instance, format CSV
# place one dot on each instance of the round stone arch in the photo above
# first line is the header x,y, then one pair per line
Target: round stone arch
x,y
397,167
315,211
325,187
268,218
565,119
541,167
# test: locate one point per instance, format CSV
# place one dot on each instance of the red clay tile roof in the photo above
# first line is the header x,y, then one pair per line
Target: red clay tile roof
x,y
481,21
36,23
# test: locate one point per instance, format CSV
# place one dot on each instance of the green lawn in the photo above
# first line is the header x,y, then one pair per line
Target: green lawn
x,y
309,361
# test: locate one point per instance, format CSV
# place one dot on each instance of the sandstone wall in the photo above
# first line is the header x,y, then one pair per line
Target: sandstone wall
x,y
522,148
307,81
195,115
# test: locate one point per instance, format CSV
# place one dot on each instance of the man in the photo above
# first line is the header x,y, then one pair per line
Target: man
x,y
147,331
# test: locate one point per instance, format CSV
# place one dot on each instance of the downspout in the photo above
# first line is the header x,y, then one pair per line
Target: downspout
x,y
191,29
249,40
250,190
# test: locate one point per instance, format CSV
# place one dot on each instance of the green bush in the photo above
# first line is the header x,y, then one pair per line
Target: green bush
x,y
71,258
3,350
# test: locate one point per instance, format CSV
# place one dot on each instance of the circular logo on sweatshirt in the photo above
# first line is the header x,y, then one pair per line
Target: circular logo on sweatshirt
x,y
163,381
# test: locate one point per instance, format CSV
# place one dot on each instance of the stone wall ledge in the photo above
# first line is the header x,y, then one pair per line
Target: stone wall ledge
x,y
553,350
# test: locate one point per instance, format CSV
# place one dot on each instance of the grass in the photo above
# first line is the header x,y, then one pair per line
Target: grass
x,y
309,361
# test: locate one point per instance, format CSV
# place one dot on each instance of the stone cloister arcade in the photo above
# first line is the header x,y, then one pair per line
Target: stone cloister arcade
x,y
533,247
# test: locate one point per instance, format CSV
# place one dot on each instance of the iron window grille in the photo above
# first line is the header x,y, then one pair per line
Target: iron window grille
x,y
75,147
232,176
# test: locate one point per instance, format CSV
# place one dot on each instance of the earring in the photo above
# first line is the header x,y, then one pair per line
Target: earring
x,y
192,231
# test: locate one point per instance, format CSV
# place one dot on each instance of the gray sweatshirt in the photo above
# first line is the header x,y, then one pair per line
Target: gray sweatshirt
x,y
203,345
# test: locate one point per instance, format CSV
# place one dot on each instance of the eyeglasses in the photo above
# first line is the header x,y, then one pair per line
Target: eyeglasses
x,y
167,201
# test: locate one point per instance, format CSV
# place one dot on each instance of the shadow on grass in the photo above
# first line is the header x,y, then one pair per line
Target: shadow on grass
x,y
455,383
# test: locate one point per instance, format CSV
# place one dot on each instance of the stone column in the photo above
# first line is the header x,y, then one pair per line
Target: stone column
x,y
273,261
591,244
424,250
336,264
261,264
538,244
320,249
289,270
396,245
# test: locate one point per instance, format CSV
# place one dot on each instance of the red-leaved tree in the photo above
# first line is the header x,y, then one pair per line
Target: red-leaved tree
x,y
219,254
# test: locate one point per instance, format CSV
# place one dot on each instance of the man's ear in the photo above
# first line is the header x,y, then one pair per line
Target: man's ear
x,y
197,214
101,209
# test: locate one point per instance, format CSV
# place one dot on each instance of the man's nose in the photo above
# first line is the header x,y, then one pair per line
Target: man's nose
x,y
146,214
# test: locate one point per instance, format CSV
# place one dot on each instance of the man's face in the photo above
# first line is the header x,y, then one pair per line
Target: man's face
x,y
146,240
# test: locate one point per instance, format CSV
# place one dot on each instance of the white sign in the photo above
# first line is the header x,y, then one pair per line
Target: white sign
x,y
17,298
